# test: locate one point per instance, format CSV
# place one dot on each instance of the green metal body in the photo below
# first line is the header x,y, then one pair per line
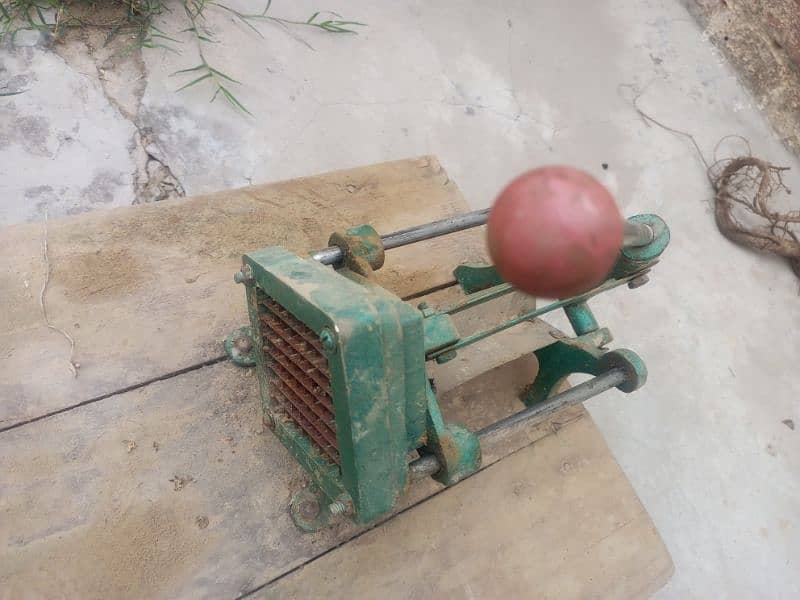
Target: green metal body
x,y
377,374
376,345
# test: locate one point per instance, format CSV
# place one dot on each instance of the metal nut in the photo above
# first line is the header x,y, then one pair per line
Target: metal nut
x,y
638,282
244,275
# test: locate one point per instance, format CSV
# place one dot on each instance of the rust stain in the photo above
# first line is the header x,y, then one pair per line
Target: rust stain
x,y
298,375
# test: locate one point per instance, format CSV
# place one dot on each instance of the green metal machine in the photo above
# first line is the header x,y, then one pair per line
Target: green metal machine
x,y
341,363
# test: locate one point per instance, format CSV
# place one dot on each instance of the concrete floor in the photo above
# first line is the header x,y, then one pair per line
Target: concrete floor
x,y
492,89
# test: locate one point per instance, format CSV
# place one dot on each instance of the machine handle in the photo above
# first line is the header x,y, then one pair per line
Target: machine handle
x,y
635,234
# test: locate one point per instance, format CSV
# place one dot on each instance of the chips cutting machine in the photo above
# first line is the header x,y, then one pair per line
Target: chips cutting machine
x,y
341,362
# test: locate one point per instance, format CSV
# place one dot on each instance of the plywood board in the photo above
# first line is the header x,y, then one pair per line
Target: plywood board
x,y
176,490
147,291
558,519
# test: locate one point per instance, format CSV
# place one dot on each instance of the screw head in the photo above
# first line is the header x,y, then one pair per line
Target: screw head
x,y
328,340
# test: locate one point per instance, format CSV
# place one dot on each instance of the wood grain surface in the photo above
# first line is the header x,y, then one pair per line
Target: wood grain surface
x,y
175,489
151,475
147,291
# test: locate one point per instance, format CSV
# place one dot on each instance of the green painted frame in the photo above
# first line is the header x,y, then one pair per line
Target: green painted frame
x,y
376,360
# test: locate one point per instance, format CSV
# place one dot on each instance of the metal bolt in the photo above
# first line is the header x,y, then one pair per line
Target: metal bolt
x,y
309,509
244,275
426,310
446,357
337,508
638,282
243,344
269,420
328,340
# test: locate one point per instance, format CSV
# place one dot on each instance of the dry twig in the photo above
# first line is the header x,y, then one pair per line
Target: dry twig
x,y
750,183
73,366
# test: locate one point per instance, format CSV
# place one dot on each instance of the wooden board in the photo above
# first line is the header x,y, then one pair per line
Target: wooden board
x,y
175,489
147,291
557,519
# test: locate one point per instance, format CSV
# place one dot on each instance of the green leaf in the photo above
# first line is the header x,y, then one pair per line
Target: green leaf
x,y
191,83
242,17
162,34
190,70
153,45
163,37
233,100
223,75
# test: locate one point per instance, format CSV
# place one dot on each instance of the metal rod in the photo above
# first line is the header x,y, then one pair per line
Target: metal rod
x,y
332,255
635,234
574,395
423,467
479,298
428,464
435,229
537,312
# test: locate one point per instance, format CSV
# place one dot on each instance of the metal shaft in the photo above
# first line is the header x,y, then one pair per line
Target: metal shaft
x,y
635,234
332,255
428,465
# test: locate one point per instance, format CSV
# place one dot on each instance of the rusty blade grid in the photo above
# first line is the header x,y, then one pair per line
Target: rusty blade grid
x,y
298,375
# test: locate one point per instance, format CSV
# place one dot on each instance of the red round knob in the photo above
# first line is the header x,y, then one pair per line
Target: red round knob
x,y
554,232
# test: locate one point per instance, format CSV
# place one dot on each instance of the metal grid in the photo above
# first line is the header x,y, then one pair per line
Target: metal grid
x,y
298,375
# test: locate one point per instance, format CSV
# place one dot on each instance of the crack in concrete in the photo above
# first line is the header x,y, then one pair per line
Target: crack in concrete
x,y
121,75
153,180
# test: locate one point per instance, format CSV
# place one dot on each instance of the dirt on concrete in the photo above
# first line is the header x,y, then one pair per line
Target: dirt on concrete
x,y
100,49
761,39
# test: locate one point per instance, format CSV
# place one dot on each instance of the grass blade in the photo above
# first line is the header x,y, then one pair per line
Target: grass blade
x,y
190,70
191,83
223,75
242,17
233,100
